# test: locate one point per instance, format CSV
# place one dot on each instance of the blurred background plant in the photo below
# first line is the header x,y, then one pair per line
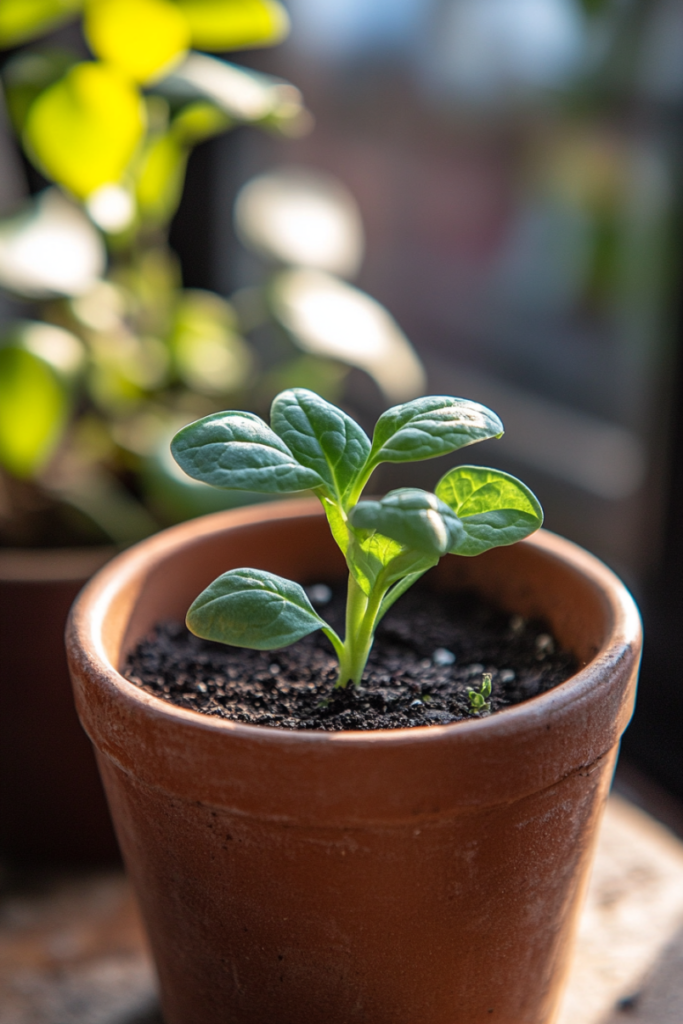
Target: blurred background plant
x,y
117,353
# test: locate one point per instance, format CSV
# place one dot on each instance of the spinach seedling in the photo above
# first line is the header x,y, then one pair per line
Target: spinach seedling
x,y
388,543
479,699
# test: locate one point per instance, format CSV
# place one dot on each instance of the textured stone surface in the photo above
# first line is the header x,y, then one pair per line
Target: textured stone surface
x,y
72,950
628,965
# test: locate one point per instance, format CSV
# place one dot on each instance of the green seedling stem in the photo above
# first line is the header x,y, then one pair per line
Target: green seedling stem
x,y
388,543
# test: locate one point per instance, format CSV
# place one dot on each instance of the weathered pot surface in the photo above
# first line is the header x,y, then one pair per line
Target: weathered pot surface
x,y
427,875
52,808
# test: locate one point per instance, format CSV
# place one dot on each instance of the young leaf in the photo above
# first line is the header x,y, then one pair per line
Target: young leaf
x,y
367,556
427,427
479,698
416,519
494,508
251,608
236,450
321,437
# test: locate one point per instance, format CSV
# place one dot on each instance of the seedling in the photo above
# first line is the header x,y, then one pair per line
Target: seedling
x,y
388,543
479,699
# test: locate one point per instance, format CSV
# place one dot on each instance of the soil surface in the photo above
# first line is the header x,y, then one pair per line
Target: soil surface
x,y
430,654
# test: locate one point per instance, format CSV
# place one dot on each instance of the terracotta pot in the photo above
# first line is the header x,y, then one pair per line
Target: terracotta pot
x,y
52,807
427,875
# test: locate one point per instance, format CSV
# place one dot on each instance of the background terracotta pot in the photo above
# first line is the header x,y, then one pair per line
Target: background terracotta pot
x,y
429,875
52,806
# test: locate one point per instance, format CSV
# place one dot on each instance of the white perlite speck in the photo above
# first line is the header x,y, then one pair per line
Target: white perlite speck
x,y
442,657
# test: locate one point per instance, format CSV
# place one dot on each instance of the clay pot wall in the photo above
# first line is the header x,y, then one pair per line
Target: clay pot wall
x,y
427,875
52,806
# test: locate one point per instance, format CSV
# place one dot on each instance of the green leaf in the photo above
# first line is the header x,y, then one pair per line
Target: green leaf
x,y
494,508
414,518
403,534
336,522
83,130
234,24
368,556
427,427
21,20
142,38
240,93
210,356
252,608
330,318
321,437
160,178
34,243
237,450
198,121
33,411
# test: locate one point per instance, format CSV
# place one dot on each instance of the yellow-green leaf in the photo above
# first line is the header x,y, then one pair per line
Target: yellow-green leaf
x,y
143,38
210,356
234,24
21,20
83,130
199,121
493,508
160,179
33,411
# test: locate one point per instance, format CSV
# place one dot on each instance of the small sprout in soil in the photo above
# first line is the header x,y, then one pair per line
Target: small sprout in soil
x,y
479,699
388,543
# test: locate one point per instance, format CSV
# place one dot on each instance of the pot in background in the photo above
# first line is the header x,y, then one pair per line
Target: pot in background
x,y
430,874
52,806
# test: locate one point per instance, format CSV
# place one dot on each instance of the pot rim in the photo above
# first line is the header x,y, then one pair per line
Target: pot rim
x,y
86,646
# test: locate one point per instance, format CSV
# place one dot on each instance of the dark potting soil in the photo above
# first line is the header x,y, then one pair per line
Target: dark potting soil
x,y
429,653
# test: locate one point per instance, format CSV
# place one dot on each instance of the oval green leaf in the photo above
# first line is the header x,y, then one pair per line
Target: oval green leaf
x,y
414,518
494,508
427,427
34,408
84,130
143,38
160,178
238,451
321,437
252,608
